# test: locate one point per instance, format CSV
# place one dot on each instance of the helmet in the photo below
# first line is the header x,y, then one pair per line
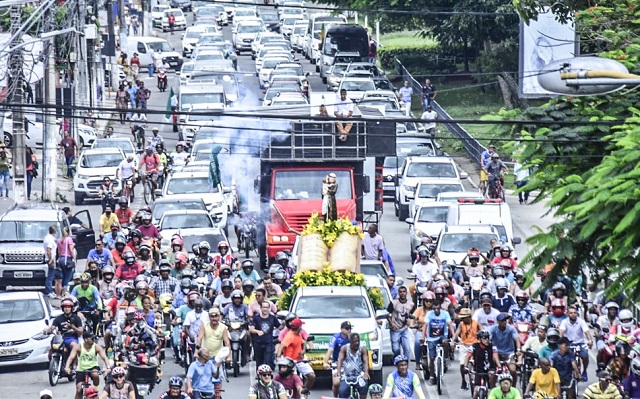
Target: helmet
x,y
635,366
423,253
622,347
67,302
626,318
139,316
247,263
248,283
502,284
135,233
129,257
375,389
188,273
204,245
185,283
182,258
115,226
177,241
482,334
142,285
77,275
289,317
139,278
164,266
522,295
400,359
557,307
608,305
226,283
120,240
274,268
175,382
498,271
225,270
223,244
281,256
553,335
85,278
145,216
504,376
280,275
182,143
541,395
518,274
439,290
117,371
236,294
150,148
286,362
144,246
264,369
429,295
558,286
505,248
123,201
131,310
155,129
106,270
91,392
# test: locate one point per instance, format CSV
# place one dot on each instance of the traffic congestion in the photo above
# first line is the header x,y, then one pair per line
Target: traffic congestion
x,y
183,267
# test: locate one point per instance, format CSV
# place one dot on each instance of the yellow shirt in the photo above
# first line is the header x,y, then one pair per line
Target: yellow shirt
x,y
248,300
593,391
546,382
212,339
105,222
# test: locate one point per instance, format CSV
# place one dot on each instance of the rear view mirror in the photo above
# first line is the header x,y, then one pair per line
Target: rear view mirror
x,y
516,240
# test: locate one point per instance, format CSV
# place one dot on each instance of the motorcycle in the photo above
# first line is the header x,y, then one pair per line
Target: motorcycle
x,y
238,332
57,361
165,304
524,331
475,286
249,234
144,376
162,80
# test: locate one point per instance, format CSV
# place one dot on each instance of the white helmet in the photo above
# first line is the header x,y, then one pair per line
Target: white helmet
x,y
501,283
626,318
635,366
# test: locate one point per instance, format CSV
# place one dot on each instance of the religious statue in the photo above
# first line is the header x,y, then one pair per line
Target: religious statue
x,y
329,189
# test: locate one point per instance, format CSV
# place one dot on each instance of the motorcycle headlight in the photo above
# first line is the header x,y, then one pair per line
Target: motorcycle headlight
x,y
373,335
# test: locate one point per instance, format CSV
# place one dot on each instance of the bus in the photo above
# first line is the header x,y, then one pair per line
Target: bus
x,y
343,39
314,30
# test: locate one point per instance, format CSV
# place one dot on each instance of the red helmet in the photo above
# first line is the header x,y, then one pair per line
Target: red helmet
x,y
223,244
177,240
67,302
139,316
182,258
557,307
439,290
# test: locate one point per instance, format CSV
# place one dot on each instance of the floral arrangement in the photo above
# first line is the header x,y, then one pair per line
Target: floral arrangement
x,y
328,277
331,230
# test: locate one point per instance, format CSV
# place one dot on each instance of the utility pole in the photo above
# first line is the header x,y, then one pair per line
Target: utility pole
x,y
123,28
112,39
16,90
50,175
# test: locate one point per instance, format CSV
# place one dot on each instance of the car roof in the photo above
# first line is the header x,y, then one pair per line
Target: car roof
x,y
440,180
174,200
19,295
356,291
32,214
185,212
186,175
429,159
434,204
93,151
470,228
356,79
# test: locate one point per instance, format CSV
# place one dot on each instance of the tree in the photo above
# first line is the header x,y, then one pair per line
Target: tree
x,y
590,173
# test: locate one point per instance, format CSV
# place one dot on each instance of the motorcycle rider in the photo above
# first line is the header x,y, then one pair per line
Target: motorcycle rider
x,y
266,387
181,296
142,291
291,382
293,347
631,384
224,256
494,169
223,274
124,213
248,296
337,341
180,157
280,278
558,291
147,229
68,324
577,330
109,239
283,260
177,246
270,287
120,247
223,300
558,313
88,297
503,301
194,321
164,283
519,283
620,365
175,390
247,272
118,387
203,261
214,334
505,257
130,269
87,354
146,261
107,286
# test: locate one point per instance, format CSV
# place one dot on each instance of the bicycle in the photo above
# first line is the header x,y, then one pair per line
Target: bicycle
x,y
572,387
148,190
127,187
439,366
88,383
530,363
483,386
353,382
495,191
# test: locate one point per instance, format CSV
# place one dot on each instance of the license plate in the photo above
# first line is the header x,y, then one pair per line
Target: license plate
x,y
23,274
8,351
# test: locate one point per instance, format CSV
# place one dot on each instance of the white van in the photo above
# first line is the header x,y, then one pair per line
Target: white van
x,y
145,46
492,212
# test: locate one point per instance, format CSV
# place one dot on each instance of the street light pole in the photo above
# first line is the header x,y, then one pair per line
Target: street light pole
x,y
16,65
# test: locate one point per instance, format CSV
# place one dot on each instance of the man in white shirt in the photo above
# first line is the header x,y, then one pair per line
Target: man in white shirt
x,y
125,170
54,273
522,179
372,244
179,156
406,92
429,115
343,109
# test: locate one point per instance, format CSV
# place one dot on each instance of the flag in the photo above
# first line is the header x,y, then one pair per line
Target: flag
x,y
167,116
214,167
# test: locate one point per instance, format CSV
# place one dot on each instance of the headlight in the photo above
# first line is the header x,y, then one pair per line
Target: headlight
x,y
420,233
373,335
82,177
410,188
1,258
217,204
40,336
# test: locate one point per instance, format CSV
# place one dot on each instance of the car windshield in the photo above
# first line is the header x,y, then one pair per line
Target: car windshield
x,y
392,162
270,17
187,67
270,64
338,69
249,28
298,30
342,307
160,208
383,84
211,39
207,11
21,310
461,242
426,169
101,160
23,231
209,57
388,105
414,148
432,190
282,88
307,184
187,100
186,221
289,21
292,70
245,13
161,46
289,101
352,85
373,269
190,185
433,214
125,146
193,34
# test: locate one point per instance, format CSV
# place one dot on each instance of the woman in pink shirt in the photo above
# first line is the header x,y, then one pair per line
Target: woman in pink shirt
x,y
67,256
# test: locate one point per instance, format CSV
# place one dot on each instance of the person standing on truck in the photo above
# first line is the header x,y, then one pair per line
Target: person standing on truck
x,y
343,109
372,244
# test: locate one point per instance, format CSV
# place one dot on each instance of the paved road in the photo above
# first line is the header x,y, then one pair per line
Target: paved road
x,y
26,382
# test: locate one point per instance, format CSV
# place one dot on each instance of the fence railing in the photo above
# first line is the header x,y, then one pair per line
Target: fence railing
x,y
471,145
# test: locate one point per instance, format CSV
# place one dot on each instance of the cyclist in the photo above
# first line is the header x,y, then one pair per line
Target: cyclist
x,y
403,383
603,389
87,355
155,138
505,337
125,171
88,297
545,379
485,158
437,327
107,193
293,346
484,358
564,361
486,315
180,157
175,390
199,375
631,384
505,390
266,387
494,170
577,331
336,342
353,361
151,162
118,387
553,336
467,331
537,342
375,391
289,380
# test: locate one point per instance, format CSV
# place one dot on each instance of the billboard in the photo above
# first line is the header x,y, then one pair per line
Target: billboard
x,y
542,42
